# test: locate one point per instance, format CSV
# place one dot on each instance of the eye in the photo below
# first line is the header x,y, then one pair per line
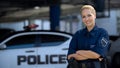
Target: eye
x,y
89,15
83,16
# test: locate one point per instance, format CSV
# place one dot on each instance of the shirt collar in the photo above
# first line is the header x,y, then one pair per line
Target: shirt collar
x,y
92,32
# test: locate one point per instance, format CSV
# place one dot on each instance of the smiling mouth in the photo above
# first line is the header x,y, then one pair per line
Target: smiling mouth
x,y
87,22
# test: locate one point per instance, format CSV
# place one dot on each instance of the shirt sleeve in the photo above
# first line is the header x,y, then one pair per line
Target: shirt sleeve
x,y
73,44
102,44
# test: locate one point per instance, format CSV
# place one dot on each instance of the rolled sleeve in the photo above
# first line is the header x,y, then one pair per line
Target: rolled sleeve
x,y
102,44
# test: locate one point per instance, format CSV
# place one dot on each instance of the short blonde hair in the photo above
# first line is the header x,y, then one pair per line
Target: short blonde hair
x,y
88,7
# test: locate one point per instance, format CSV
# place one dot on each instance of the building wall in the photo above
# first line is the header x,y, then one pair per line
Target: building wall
x,y
110,24
71,25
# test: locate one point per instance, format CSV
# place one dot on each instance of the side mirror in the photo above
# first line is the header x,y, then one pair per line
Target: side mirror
x,y
2,46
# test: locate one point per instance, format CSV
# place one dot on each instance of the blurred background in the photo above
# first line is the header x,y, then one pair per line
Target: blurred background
x,y
61,15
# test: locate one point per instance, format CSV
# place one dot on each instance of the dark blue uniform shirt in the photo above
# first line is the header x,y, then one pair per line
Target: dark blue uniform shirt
x,y
96,40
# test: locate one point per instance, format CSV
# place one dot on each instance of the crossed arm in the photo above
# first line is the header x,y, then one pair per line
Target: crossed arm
x,y
84,54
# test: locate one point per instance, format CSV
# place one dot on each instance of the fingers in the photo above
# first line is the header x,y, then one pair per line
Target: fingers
x,y
76,56
71,56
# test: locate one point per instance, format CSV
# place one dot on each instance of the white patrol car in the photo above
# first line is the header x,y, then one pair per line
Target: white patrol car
x,y
35,49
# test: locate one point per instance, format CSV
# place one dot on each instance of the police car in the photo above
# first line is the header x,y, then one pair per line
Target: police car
x,y
34,49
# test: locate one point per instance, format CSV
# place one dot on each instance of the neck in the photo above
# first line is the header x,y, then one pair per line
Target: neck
x,y
90,27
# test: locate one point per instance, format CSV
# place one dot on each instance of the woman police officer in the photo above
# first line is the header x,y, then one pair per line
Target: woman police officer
x,y
91,42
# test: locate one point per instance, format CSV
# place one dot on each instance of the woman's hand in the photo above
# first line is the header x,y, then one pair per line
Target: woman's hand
x,y
88,54
71,56
77,57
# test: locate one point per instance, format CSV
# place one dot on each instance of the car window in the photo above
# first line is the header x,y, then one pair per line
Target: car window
x,y
25,41
4,32
39,40
51,40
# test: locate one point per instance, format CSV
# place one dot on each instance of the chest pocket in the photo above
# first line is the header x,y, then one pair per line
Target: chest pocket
x,y
92,42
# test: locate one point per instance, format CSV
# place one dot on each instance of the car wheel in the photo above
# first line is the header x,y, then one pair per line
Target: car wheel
x,y
116,61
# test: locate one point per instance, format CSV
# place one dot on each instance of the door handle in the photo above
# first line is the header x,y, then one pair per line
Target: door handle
x,y
64,48
29,51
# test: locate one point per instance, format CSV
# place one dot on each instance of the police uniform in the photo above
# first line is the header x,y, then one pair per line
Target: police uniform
x,y
96,40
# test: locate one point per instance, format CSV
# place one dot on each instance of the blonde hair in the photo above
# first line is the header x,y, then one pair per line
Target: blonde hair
x,y
91,8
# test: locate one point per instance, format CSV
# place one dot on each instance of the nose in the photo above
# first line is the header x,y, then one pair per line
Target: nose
x,y
86,18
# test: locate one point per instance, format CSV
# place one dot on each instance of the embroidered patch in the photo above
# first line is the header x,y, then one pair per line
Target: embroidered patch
x,y
104,42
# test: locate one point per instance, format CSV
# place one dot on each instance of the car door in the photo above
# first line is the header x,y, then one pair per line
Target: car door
x,y
52,50
20,52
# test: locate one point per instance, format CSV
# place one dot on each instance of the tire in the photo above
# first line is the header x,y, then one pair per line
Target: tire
x,y
116,61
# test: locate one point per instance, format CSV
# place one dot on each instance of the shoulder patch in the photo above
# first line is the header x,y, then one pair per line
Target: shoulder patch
x,y
104,42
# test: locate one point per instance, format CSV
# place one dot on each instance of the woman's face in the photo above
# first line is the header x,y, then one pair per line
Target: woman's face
x,y
88,17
